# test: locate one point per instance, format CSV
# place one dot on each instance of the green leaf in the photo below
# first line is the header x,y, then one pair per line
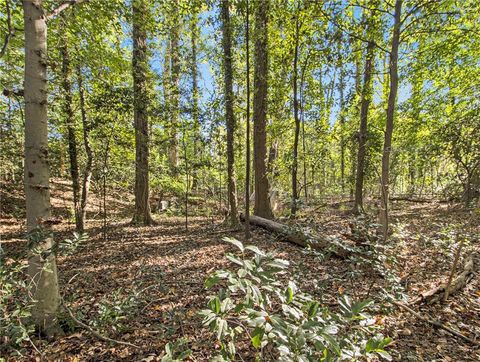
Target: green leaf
x,y
385,355
255,250
215,305
235,242
289,294
312,310
332,343
257,336
234,259
222,327
211,281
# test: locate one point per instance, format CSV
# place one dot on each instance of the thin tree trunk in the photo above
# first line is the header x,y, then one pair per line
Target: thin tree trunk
x,y
42,267
70,123
142,214
229,115
195,96
87,172
392,99
342,120
247,138
366,99
262,205
295,200
174,90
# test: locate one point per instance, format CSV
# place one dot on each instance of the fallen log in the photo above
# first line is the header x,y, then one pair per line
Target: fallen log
x,y
411,199
297,236
436,294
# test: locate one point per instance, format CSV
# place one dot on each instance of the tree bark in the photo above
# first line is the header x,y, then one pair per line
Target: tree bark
x,y
87,172
366,98
70,123
392,99
142,214
296,236
174,90
262,205
42,269
195,96
247,120
295,199
229,115
341,86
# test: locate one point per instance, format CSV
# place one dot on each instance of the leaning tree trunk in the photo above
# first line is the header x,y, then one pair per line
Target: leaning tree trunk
x,y
392,98
70,123
142,214
229,115
366,98
262,205
87,172
42,266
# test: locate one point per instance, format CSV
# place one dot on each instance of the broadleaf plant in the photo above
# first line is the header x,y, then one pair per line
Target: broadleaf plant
x,y
259,302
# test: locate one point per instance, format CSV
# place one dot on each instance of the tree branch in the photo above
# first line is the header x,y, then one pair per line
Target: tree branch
x,y
9,31
355,36
63,7
13,93
96,334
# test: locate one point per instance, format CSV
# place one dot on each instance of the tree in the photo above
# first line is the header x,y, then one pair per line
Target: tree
x,y
142,214
174,87
247,120
70,123
392,100
229,115
42,267
366,98
195,111
295,114
87,171
262,205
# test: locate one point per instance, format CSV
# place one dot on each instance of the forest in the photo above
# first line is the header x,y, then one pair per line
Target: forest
x,y
239,180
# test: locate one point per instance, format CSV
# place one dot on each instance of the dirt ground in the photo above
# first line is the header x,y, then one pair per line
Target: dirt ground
x,y
169,264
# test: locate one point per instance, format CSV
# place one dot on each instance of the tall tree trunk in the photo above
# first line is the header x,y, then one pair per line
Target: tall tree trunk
x,y
296,117
142,214
70,123
229,115
392,100
341,86
247,120
262,205
195,96
87,172
42,267
174,90
366,98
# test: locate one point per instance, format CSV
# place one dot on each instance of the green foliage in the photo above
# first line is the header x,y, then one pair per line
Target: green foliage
x,y
260,302
176,351
113,310
373,254
15,304
39,235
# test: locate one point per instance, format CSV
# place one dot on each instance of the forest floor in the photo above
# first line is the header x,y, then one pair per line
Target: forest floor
x,y
169,265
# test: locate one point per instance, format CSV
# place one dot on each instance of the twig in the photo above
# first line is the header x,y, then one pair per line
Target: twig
x,y
96,334
9,31
435,323
65,5
454,267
